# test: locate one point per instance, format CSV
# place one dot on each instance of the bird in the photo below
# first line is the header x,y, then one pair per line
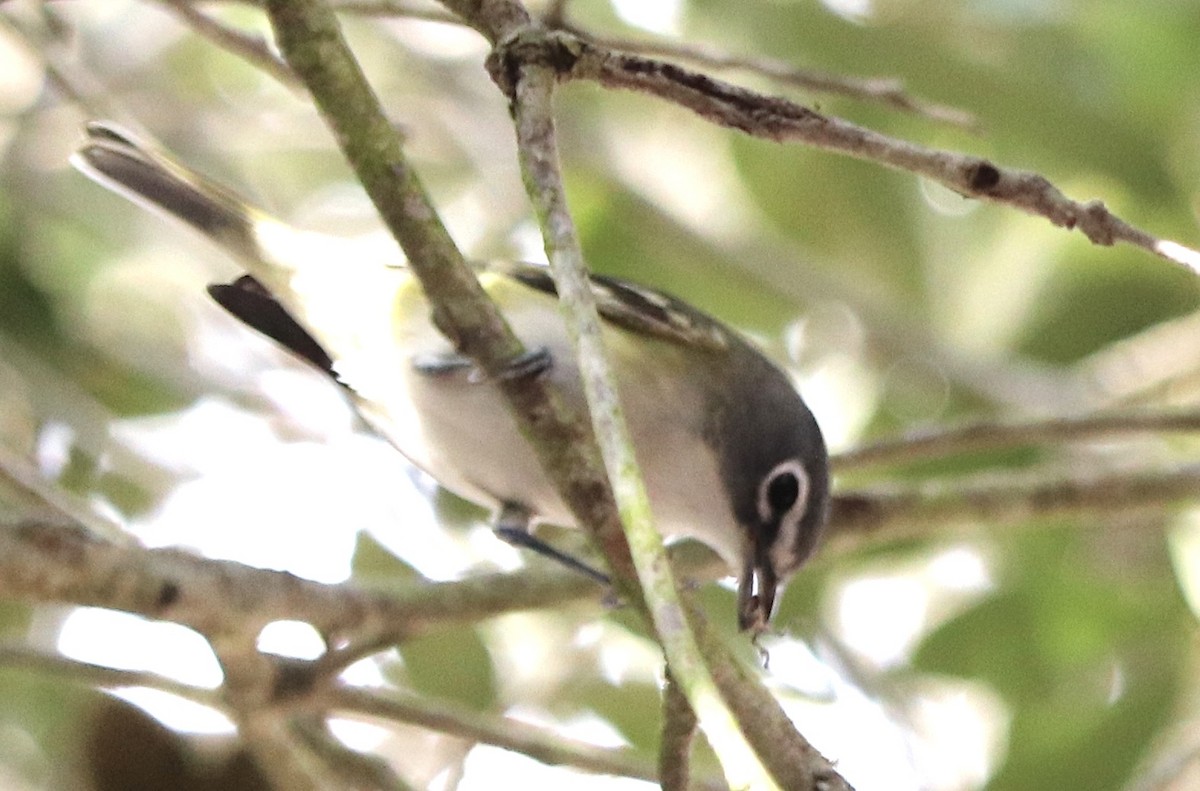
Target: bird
x,y
731,455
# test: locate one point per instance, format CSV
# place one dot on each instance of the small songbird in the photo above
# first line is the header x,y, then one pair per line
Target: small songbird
x,y
730,453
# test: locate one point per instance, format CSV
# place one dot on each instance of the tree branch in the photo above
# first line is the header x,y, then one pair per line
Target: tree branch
x,y
251,682
392,705
253,49
532,98
41,561
56,562
996,435
363,772
678,731
395,8
900,513
776,118
504,732
791,759
887,91
25,658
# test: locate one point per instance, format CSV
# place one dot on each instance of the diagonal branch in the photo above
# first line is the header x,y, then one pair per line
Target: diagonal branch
x,y
254,49
532,98
779,119
887,91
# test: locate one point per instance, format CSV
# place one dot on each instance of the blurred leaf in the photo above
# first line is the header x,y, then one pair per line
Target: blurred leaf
x,y
989,642
26,313
374,564
1086,671
809,195
798,610
1098,297
40,718
451,664
128,392
1076,738
14,618
633,708
455,513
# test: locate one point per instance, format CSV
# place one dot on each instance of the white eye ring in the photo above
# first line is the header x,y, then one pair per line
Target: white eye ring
x,y
769,511
782,550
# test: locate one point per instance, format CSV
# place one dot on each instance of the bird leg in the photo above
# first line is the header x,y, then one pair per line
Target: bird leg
x,y
531,362
512,527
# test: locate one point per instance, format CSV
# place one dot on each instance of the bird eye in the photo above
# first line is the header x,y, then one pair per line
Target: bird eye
x,y
781,490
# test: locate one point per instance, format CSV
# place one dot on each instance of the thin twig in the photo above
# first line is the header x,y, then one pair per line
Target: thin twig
x,y
285,758
392,9
250,687
998,435
26,658
22,474
779,119
288,762
532,98
538,743
394,705
497,20
49,39
791,758
901,513
887,91
253,49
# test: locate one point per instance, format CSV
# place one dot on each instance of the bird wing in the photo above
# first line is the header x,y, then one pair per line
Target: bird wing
x,y
636,308
250,301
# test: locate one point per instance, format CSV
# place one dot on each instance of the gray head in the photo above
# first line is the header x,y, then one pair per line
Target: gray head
x,y
775,464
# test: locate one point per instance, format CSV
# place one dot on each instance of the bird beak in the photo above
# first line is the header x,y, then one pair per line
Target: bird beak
x,y
756,591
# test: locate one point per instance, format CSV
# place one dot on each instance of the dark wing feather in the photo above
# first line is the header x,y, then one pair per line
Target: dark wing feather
x,y
250,302
637,308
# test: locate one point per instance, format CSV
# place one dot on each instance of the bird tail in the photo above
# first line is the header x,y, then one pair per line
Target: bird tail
x,y
116,159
